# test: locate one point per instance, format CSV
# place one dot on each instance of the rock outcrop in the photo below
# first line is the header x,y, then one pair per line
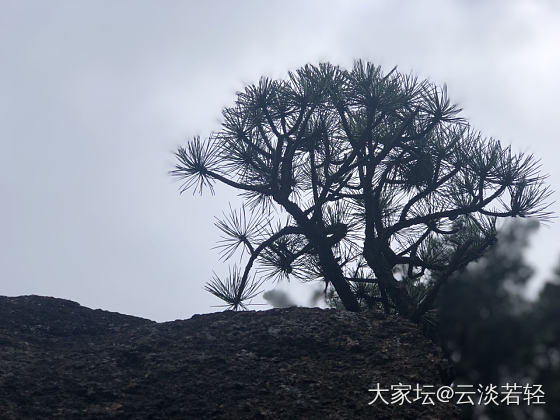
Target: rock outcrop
x,y
61,360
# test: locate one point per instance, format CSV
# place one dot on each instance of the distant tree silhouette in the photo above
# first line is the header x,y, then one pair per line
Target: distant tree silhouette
x,y
545,360
348,174
495,335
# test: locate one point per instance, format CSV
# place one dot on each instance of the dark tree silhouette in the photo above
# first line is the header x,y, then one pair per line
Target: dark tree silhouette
x,y
495,334
347,174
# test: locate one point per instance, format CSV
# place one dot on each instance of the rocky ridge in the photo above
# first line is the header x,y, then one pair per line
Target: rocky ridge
x,y
61,360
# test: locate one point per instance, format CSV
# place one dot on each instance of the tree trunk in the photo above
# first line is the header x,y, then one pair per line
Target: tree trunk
x,y
333,274
398,293
331,270
383,271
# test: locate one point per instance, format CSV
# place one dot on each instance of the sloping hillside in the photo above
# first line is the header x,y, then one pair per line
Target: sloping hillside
x,y
61,360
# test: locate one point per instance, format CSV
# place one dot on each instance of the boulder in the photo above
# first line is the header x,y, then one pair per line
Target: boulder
x,y
61,360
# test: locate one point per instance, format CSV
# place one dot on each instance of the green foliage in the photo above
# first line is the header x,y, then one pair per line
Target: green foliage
x,y
353,173
494,334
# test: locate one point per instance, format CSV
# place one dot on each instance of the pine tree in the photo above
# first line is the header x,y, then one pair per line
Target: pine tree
x,y
348,174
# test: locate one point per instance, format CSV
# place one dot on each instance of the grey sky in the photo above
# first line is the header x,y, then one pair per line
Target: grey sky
x,y
96,95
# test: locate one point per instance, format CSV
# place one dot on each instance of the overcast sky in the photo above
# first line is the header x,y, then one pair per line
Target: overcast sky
x,y
96,95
